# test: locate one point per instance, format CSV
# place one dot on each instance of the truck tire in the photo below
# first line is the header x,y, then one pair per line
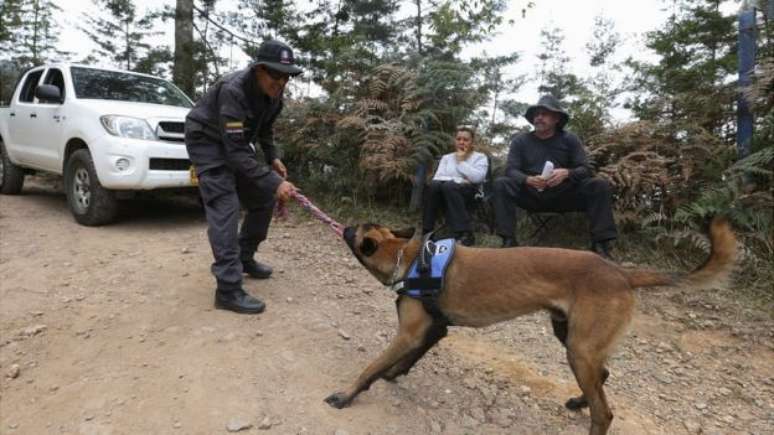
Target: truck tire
x,y
89,202
11,176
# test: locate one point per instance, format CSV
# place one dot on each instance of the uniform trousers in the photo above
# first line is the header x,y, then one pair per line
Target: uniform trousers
x,y
222,192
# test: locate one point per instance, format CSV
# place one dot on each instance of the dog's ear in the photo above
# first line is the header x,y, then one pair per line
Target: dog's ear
x,y
368,247
405,233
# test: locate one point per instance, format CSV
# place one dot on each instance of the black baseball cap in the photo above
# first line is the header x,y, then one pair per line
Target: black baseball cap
x,y
278,56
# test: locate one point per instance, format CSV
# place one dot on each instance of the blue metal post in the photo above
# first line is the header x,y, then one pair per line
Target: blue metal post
x,y
744,117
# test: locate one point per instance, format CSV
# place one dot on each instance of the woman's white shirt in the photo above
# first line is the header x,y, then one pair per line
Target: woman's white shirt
x,y
472,170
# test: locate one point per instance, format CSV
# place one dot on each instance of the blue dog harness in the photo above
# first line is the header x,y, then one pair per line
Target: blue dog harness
x,y
425,278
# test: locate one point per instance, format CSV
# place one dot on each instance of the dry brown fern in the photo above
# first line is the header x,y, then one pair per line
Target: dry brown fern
x,y
653,167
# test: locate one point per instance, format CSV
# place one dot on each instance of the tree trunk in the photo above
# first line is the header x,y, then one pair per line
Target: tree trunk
x,y
35,29
494,106
419,26
183,70
128,52
206,63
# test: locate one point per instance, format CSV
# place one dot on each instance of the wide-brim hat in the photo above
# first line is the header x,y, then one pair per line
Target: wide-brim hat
x,y
277,56
550,103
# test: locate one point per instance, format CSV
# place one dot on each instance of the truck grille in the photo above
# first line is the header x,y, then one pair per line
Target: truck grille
x,y
171,131
169,164
172,127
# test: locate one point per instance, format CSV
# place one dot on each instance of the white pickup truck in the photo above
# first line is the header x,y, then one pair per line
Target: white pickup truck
x,y
104,130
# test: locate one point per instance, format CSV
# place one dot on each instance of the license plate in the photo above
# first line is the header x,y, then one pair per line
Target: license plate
x,y
194,178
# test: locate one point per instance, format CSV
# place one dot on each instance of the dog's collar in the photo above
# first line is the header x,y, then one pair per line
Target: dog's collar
x,y
395,282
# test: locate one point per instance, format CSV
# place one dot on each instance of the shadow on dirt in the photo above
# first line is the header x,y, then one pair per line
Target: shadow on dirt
x,y
162,212
173,207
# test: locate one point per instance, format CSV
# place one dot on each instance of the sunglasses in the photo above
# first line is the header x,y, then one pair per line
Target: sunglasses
x,y
277,75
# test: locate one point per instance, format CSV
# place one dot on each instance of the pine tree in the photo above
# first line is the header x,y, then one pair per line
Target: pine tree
x,y
42,30
210,42
495,120
457,23
28,37
592,106
588,99
28,31
689,83
554,76
196,61
260,20
11,25
120,34
157,61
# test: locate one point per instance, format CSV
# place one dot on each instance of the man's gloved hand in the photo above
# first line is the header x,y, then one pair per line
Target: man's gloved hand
x,y
284,191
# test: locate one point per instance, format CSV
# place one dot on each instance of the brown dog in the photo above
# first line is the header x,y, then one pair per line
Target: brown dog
x,y
591,301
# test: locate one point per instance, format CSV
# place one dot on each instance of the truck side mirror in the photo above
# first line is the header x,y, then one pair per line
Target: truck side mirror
x,y
48,93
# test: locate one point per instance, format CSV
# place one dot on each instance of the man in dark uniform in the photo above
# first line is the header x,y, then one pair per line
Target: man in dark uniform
x,y
220,133
569,188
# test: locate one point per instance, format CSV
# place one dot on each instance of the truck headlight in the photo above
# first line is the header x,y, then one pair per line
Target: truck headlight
x,y
125,126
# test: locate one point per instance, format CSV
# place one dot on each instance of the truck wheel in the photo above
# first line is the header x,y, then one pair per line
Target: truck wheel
x,y
11,176
90,203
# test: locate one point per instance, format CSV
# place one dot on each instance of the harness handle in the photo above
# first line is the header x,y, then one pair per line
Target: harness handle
x,y
426,254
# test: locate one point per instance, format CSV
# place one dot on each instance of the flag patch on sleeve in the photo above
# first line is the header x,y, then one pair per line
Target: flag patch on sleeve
x,y
235,130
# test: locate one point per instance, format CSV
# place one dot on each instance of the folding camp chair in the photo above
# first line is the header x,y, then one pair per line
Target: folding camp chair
x,y
540,221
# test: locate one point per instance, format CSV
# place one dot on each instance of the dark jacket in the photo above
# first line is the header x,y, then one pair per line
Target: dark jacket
x,y
226,121
528,154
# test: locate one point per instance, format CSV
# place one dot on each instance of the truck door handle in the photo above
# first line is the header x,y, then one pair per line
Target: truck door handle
x,y
33,115
13,114
56,118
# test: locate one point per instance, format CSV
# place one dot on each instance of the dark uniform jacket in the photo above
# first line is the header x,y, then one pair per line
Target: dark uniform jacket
x,y
528,154
226,121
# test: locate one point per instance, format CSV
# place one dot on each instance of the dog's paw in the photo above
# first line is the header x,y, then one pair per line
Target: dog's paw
x,y
337,400
576,403
391,377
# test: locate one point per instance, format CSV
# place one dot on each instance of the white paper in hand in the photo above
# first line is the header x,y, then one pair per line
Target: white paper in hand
x,y
548,169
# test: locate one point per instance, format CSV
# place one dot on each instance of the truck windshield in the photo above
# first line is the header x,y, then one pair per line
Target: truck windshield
x,y
115,85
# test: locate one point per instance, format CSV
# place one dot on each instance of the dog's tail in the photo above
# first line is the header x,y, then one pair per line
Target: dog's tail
x,y
714,272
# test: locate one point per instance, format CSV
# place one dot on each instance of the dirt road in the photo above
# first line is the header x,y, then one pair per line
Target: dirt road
x,y
111,330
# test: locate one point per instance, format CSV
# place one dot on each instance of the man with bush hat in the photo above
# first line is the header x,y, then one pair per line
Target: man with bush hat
x,y
220,134
569,187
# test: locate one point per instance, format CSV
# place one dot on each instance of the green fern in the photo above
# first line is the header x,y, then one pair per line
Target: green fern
x,y
748,208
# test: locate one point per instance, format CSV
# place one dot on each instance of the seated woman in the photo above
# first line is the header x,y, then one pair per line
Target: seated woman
x,y
454,184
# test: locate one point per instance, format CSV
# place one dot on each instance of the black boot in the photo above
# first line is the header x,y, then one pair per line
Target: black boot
x,y
238,301
466,238
603,248
256,270
508,242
